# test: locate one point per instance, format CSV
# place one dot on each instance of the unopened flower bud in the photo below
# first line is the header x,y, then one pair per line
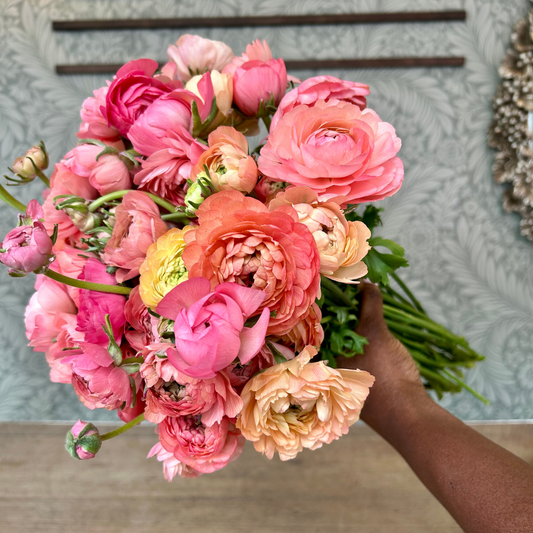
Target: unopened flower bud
x,y
83,440
83,221
35,159
197,193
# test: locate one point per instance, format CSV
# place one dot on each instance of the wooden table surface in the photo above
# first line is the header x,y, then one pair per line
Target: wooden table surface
x,y
357,484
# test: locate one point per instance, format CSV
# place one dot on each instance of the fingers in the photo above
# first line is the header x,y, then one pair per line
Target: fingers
x,y
371,320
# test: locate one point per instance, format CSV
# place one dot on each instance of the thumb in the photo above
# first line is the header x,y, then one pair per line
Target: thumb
x,y
371,321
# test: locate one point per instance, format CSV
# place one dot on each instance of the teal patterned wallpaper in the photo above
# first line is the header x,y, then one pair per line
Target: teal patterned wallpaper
x,y
470,267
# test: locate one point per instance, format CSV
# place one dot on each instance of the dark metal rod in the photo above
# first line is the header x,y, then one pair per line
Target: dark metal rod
x,y
385,62
239,22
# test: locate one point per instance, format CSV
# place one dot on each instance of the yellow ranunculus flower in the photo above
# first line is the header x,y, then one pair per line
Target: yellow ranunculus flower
x,y
163,267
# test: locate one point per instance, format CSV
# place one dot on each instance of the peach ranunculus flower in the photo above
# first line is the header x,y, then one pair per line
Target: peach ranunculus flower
x,y
298,404
163,267
194,55
335,149
341,244
308,332
228,162
239,240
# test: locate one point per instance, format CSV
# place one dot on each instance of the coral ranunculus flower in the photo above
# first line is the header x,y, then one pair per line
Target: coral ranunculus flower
x,y
341,244
336,150
163,267
239,240
230,166
298,404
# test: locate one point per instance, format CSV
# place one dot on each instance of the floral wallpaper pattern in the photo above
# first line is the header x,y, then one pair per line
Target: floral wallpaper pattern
x,y
470,267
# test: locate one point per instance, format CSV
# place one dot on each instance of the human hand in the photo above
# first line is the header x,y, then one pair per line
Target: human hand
x,y
387,359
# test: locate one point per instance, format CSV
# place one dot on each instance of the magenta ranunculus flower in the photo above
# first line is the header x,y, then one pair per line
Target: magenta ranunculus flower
x,y
336,150
83,440
171,110
27,248
94,306
209,326
322,88
108,174
204,448
133,90
138,224
165,172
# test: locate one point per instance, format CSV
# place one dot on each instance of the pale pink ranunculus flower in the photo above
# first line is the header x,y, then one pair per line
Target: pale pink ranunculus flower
x,y
209,327
132,91
165,172
322,88
227,161
204,448
65,182
239,240
95,378
107,174
336,150
138,224
255,51
165,114
95,125
342,245
171,466
298,404
195,55
95,305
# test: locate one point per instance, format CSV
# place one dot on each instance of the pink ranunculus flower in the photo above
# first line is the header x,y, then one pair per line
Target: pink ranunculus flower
x,y
27,248
342,244
138,224
210,326
46,313
256,51
83,440
132,91
165,172
336,150
143,324
240,241
177,394
95,378
108,174
65,182
171,466
204,448
321,88
257,82
94,125
166,113
299,404
195,55
94,306
66,339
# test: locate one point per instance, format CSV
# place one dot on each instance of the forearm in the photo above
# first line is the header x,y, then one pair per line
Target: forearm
x,y
484,487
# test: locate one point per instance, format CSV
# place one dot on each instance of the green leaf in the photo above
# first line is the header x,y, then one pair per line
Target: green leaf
x,y
371,216
380,265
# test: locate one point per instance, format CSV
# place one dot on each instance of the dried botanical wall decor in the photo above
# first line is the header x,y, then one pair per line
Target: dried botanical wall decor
x,y
511,131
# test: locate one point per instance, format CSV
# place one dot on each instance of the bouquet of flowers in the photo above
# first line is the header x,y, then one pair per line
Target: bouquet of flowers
x,y
186,280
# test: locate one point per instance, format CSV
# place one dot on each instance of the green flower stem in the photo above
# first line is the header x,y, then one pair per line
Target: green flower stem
x,y
176,217
334,290
10,200
122,429
43,178
408,308
100,287
120,194
466,387
405,289
267,120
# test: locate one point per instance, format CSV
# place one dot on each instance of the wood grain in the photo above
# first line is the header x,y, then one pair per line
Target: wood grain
x,y
240,22
384,62
358,483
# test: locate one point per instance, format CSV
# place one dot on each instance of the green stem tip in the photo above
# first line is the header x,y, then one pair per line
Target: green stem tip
x,y
89,285
122,429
